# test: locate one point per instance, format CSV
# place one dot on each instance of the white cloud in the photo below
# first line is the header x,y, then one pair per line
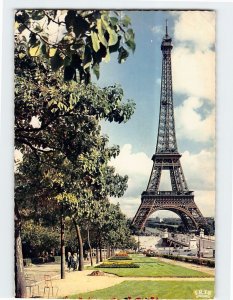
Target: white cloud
x,y
193,64
194,72
157,29
132,163
197,27
129,205
137,166
199,170
205,201
189,123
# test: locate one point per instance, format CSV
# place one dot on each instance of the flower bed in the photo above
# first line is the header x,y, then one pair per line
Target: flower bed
x,y
118,265
121,254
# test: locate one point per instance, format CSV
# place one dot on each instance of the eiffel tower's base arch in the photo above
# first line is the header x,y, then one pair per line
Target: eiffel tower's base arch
x,y
186,217
181,204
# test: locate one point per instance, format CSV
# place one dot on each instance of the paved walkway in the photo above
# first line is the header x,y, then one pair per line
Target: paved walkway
x,y
80,282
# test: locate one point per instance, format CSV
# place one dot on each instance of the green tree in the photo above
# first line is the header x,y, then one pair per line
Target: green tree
x,y
67,135
38,238
82,39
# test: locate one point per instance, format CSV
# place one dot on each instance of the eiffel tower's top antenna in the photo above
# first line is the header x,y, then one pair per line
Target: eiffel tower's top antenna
x,y
166,28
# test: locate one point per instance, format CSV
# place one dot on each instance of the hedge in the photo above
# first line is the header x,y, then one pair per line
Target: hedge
x,y
42,260
194,260
120,258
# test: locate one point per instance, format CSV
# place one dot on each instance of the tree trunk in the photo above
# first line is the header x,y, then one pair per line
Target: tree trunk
x,y
111,252
62,244
101,256
80,247
108,251
97,254
20,284
89,245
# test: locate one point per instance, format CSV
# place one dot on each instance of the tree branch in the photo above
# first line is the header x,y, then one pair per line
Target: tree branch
x,y
43,125
51,19
23,141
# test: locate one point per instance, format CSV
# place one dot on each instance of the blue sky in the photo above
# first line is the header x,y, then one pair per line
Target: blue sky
x,y
193,66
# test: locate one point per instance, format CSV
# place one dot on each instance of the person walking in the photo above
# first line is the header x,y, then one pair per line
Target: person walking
x,y
69,261
75,261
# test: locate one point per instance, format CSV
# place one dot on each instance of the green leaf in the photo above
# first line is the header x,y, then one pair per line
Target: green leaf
x,y
105,20
101,33
69,73
34,51
21,55
113,21
76,61
96,70
126,21
80,25
52,52
115,47
129,34
56,61
98,56
38,14
95,41
131,44
33,39
113,37
87,57
21,28
123,54
44,50
107,57
67,61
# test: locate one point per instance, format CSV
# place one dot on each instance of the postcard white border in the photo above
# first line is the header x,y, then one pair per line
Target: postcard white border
x,y
224,128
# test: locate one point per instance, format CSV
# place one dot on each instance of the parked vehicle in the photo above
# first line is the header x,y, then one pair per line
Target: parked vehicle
x,y
191,254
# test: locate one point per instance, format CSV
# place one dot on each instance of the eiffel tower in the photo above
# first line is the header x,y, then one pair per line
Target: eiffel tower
x,y
180,200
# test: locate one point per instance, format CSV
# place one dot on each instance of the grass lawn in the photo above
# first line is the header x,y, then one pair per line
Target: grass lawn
x,y
143,289
151,267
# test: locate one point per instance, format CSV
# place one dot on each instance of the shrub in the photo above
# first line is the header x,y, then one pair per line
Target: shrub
x,y
120,258
151,254
194,260
38,260
118,265
211,263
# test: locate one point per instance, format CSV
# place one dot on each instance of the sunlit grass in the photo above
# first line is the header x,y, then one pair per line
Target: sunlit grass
x,y
151,267
147,289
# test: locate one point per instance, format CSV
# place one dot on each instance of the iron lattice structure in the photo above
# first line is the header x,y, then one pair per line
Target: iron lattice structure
x,y
179,200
